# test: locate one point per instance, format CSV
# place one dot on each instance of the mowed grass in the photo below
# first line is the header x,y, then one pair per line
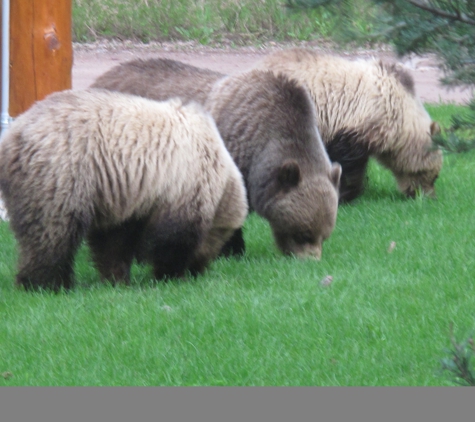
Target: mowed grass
x,y
266,319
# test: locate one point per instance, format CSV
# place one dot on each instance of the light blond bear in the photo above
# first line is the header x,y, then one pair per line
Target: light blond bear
x,y
366,108
136,178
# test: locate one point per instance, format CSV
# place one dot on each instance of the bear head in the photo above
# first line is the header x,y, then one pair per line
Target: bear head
x,y
303,209
417,169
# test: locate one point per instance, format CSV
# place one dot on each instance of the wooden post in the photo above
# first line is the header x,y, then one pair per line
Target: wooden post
x,y
1,11
41,52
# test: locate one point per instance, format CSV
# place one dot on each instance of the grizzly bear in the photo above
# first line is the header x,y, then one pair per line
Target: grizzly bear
x,y
137,178
268,124
366,108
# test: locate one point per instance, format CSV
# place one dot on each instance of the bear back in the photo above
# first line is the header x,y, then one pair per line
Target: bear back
x,y
257,111
159,79
117,152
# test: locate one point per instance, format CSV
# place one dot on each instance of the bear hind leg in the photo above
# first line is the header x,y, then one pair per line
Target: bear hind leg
x,y
39,275
49,264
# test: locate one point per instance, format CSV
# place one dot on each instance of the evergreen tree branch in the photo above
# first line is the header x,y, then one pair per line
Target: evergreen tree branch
x,y
459,363
458,15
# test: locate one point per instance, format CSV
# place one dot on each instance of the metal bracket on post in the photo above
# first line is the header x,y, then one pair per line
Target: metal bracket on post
x,y
5,117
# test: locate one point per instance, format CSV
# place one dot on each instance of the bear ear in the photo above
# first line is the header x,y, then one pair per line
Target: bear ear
x,y
289,174
335,174
434,128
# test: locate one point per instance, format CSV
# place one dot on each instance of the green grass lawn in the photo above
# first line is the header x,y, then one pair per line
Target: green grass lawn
x,y
266,319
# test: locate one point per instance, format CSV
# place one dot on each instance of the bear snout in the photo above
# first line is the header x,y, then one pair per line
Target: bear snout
x,y
311,252
301,250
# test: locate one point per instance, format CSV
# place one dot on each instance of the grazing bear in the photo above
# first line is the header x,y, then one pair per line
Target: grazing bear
x,y
137,178
268,124
366,108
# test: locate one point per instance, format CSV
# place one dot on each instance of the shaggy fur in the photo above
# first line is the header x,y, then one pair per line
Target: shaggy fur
x,y
137,178
159,79
268,124
269,127
366,108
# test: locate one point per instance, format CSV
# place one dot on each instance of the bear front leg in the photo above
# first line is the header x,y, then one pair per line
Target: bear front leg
x,y
352,152
113,250
170,245
352,184
234,246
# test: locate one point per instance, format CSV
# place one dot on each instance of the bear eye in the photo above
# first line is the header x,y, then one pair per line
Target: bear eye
x,y
303,238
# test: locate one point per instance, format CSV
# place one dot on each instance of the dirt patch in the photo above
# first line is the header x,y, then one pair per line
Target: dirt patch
x,y
92,60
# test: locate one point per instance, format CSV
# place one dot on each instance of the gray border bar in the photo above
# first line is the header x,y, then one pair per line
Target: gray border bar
x,y
228,404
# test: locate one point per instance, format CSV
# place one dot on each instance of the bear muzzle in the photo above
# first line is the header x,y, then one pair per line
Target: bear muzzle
x,y
307,251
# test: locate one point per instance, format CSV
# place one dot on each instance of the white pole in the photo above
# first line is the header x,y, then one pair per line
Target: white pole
x,y
5,117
